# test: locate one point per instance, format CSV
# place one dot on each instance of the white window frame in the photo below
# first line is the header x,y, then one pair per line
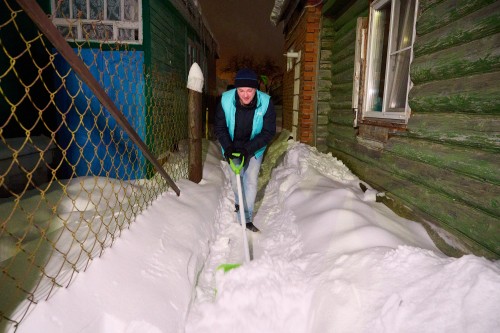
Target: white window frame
x,y
359,61
296,93
400,116
71,21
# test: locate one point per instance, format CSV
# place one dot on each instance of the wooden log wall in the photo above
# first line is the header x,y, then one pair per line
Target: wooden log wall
x,y
324,84
341,116
444,169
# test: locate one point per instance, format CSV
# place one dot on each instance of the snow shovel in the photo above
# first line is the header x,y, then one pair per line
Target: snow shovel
x,y
246,249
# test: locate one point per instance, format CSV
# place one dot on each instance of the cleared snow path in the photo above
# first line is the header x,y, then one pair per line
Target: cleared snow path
x,y
331,259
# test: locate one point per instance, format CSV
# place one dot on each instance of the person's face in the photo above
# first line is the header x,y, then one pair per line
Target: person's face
x,y
246,95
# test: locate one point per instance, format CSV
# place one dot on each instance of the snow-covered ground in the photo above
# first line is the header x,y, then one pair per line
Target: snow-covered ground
x,y
329,258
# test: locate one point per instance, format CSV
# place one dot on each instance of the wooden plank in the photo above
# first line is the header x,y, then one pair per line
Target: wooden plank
x,y
350,15
195,168
447,12
338,105
476,131
427,4
329,7
376,133
344,133
344,77
479,56
472,191
342,89
482,23
472,94
462,220
343,40
344,117
470,162
346,52
339,66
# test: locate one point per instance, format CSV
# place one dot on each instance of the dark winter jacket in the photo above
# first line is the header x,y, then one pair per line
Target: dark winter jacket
x,y
244,120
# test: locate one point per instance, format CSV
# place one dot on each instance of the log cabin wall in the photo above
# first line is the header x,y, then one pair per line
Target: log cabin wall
x,y
324,83
443,168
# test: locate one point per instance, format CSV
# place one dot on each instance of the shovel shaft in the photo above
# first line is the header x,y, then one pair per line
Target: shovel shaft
x,y
243,221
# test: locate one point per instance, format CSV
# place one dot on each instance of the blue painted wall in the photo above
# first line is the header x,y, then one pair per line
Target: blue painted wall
x,y
107,150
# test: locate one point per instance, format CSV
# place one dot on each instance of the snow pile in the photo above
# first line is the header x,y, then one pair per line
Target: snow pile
x,y
329,258
145,281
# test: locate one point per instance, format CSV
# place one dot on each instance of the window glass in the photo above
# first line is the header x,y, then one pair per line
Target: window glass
x,y
113,10
62,9
390,42
69,31
96,9
378,59
399,62
130,11
99,20
127,34
102,32
398,81
79,9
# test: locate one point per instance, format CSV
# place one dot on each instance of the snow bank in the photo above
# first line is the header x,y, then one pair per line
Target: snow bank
x,y
332,259
329,258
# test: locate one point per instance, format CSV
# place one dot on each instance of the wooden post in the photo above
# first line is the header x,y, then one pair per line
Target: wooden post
x,y
195,86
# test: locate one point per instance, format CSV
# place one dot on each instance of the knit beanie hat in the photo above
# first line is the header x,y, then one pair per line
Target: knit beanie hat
x,y
246,78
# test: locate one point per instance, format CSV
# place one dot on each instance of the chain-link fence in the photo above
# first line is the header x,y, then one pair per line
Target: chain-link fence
x,y
71,179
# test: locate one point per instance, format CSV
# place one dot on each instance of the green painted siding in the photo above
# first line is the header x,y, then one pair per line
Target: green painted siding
x,y
168,38
165,51
168,28
443,169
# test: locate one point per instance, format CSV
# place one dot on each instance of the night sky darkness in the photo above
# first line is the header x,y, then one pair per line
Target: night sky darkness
x,y
244,27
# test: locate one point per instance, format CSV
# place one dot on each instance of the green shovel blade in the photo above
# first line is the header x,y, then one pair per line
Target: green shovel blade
x,y
228,267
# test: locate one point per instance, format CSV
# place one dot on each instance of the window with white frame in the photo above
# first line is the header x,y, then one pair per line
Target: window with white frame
x,y
296,93
99,20
359,63
390,50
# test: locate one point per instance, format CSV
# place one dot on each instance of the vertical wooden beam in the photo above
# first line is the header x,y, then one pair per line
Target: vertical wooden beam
x,y
195,86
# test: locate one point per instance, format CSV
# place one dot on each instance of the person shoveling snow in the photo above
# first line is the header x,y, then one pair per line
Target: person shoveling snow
x,y
245,123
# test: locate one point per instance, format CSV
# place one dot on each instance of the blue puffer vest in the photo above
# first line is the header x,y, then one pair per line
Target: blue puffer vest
x,y
228,103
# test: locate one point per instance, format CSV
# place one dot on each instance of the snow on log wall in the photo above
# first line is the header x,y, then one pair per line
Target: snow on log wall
x,y
443,168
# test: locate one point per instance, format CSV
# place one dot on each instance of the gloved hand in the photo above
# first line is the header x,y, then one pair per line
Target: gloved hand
x,y
232,153
244,155
228,152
